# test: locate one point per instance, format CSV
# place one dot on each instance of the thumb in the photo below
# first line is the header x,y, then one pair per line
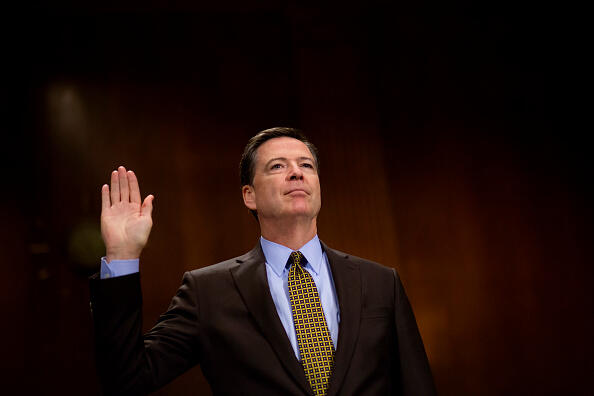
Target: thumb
x,y
147,206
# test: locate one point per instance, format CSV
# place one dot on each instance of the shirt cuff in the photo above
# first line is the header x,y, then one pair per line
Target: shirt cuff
x,y
117,268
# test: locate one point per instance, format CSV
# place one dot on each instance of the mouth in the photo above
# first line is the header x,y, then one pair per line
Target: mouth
x,y
296,191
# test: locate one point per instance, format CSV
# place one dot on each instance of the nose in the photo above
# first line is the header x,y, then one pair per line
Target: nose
x,y
295,172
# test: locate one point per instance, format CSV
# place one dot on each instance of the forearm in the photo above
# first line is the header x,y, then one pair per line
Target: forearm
x,y
117,313
129,362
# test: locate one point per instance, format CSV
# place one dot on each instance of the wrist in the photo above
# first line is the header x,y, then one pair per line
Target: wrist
x,y
109,256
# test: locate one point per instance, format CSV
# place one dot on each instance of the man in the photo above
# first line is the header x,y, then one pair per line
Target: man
x,y
290,317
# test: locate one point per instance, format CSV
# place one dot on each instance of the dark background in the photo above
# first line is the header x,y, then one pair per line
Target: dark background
x,y
446,152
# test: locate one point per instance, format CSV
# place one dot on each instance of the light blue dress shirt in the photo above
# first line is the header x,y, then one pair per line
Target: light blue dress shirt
x,y
277,273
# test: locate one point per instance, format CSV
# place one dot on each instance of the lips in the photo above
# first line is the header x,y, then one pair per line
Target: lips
x,y
296,190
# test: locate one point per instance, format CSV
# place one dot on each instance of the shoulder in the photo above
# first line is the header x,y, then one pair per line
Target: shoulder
x,y
363,264
372,275
376,281
220,279
225,267
215,270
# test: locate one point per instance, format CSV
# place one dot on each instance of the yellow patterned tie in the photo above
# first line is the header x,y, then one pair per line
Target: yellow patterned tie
x,y
315,345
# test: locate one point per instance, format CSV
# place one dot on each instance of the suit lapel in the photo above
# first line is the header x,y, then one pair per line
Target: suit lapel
x,y
347,281
252,283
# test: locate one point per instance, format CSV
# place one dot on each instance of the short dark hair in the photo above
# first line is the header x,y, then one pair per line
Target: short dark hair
x,y
248,158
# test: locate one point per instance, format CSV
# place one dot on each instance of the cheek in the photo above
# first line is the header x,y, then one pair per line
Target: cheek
x,y
264,194
318,192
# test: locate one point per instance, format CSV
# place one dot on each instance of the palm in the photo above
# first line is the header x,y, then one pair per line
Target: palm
x,y
125,223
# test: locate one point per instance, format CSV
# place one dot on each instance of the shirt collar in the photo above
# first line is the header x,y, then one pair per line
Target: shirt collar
x,y
277,255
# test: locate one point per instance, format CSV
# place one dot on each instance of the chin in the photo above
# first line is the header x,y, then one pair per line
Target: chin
x,y
300,207
306,214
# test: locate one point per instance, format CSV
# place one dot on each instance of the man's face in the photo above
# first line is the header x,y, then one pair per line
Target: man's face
x,y
286,182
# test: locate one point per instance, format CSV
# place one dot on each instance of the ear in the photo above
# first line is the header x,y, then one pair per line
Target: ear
x,y
249,197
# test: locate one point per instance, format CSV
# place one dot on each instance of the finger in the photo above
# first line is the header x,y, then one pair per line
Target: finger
x,y
124,188
147,206
134,188
105,204
115,188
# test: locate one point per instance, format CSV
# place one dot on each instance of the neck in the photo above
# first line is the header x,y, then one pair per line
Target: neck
x,y
292,234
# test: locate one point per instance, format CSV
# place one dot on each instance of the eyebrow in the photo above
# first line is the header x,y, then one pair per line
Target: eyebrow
x,y
284,159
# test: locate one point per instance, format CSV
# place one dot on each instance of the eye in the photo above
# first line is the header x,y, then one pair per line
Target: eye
x,y
276,166
307,165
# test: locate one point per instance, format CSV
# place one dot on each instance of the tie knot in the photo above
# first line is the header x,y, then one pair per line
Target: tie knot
x,y
296,258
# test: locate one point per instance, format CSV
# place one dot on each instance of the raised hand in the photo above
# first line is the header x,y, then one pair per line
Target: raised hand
x,y
125,223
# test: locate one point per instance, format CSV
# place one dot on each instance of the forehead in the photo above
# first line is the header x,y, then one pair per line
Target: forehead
x,y
285,147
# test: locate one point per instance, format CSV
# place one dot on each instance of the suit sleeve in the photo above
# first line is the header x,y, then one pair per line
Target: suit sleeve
x,y
415,373
129,363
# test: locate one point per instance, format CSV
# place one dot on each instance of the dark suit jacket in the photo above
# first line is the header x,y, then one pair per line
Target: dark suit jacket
x,y
224,319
